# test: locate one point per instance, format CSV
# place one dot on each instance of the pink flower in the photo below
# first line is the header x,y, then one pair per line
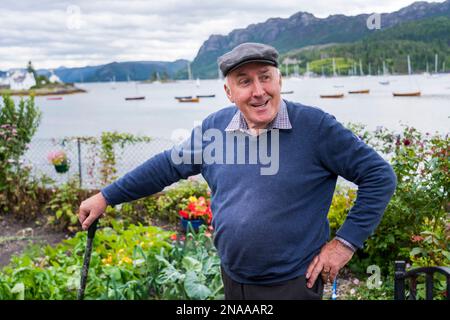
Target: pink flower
x,y
57,157
417,238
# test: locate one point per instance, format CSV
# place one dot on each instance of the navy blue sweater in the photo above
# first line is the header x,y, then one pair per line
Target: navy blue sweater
x,y
268,228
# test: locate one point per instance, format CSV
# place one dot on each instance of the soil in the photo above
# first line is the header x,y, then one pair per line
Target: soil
x,y
16,235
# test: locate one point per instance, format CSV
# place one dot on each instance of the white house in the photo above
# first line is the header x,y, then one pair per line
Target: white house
x,y
19,80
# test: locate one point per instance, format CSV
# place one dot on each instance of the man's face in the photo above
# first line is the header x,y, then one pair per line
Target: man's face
x,y
255,88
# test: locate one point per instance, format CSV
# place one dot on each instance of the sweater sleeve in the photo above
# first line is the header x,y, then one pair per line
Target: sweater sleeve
x,y
343,153
158,172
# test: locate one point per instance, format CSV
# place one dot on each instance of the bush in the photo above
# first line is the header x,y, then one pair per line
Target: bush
x,y
64,203
191,270
164,206
18,191
421,164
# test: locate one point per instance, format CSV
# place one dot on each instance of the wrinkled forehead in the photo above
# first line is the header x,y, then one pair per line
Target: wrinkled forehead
x,y
253,68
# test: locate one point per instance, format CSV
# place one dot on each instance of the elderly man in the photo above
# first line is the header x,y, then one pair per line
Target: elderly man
x,y
271,228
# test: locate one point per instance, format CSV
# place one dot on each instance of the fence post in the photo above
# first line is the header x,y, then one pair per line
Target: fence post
x,y
399,280
79,162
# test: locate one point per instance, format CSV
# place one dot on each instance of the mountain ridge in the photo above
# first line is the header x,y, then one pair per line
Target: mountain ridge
x,y
302,29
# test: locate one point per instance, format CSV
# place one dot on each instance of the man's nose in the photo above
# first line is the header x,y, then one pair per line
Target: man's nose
x,y
258,89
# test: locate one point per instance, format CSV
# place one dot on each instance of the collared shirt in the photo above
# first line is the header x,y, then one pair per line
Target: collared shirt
x,y
281,121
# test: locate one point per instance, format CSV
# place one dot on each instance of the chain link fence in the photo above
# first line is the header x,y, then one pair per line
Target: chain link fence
x,y
84,159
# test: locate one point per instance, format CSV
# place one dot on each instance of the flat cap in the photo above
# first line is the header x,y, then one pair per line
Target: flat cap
x,y
246,53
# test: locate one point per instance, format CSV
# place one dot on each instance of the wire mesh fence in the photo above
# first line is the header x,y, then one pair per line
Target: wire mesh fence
x,y
84,159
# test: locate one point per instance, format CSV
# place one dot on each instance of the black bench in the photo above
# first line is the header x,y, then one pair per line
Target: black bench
x,y
401,275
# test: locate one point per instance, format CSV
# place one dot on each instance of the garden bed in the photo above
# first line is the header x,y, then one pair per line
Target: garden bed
x,y
16,235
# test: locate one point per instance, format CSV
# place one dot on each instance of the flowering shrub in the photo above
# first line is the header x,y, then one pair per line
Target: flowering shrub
x,y
57,158
197,209
421,164
18,189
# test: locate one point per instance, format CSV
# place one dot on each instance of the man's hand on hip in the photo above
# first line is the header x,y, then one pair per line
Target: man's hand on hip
x,y
91,209
332,257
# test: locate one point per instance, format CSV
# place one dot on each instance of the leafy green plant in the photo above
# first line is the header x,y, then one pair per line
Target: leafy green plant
x,y
121,263
64,204
191,270
432,245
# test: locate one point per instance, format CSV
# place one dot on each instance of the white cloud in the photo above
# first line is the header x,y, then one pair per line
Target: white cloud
x,y
50,35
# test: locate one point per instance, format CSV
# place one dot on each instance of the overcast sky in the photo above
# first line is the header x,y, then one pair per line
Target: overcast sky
x,y
92,32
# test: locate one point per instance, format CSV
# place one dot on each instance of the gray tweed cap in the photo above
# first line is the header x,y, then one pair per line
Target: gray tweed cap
x,y
246,53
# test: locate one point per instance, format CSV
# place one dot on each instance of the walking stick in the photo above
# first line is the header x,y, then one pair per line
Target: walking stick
x,y
87,259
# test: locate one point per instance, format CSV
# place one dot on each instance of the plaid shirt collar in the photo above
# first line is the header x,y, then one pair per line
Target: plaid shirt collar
x,y
281,121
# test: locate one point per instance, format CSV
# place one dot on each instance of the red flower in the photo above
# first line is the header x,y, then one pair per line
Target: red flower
x,y
173,237
197,209
417,238
184,214
406,142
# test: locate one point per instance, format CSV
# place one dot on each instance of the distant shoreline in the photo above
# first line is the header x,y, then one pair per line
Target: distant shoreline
x,y
58,90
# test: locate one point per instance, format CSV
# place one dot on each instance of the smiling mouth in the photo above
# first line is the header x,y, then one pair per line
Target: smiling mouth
x,y
261,105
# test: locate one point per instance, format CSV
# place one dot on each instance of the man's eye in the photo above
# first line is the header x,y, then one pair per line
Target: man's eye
x,y
265,77
244,82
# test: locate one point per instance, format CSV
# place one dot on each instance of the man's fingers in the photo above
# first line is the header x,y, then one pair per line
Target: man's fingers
x,y
83,214
89,220
317,269
311,267
91,209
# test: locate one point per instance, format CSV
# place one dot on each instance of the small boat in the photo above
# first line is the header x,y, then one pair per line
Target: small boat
x,y
287,92
407,94
189,100
54,98
359,91
185,97
338,86
206,96
135,98
336,96
384,83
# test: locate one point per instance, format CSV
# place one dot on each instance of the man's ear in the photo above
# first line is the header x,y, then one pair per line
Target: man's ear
x,y
228,92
